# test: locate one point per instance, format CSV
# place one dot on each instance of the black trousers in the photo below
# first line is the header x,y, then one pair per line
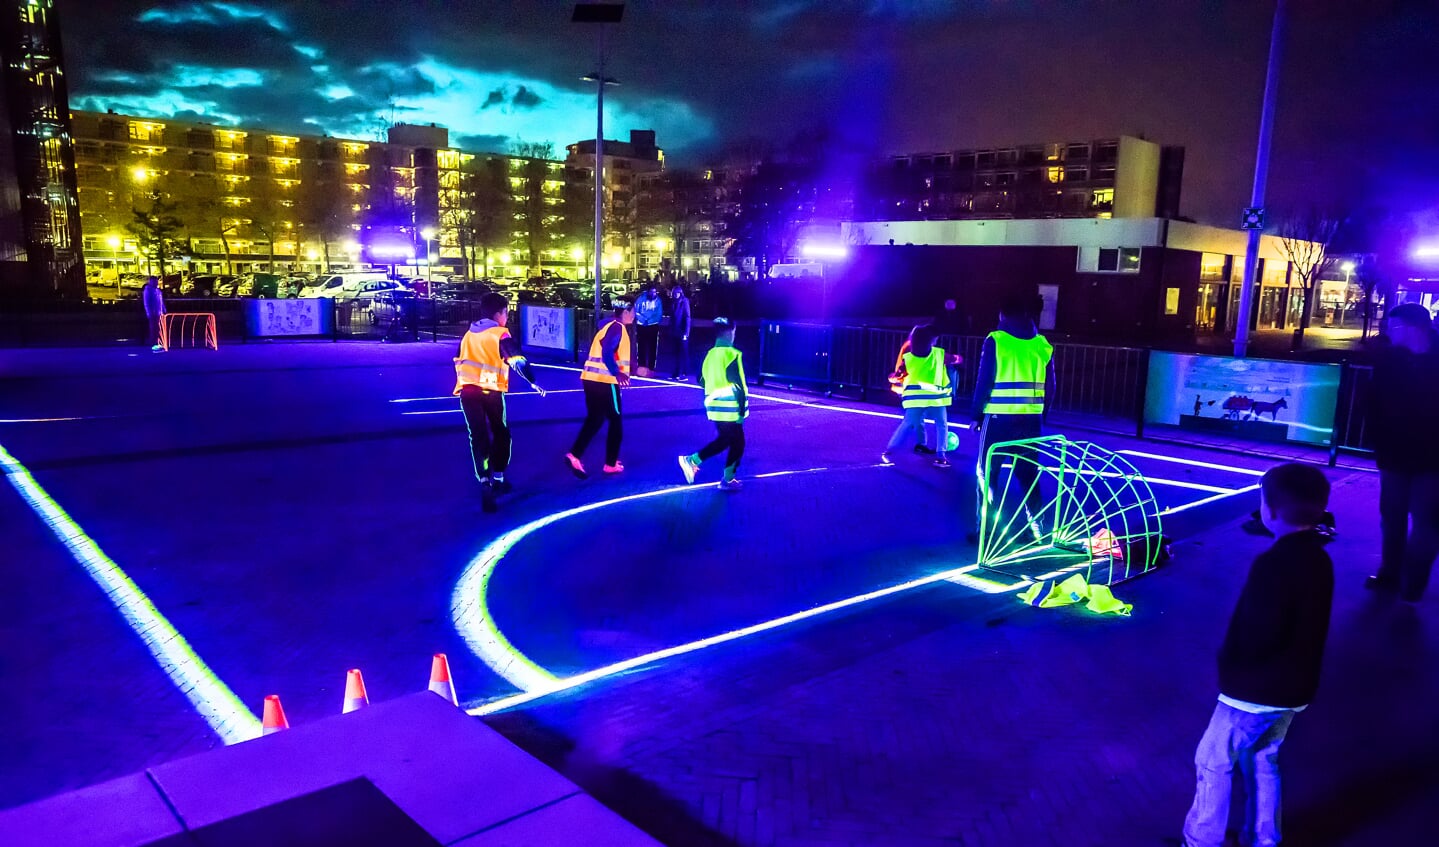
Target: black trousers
x,y
729,436
1013,488
152,333
602,406
489,428
649,344
1407,554
680,345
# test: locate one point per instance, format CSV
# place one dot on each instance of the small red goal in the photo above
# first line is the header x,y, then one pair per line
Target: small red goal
x,y
188,330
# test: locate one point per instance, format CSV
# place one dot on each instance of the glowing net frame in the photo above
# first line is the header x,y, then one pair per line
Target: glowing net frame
x,y
190,325
1103,512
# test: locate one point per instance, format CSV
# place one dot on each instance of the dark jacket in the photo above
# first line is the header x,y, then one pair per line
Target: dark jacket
x,y
1275,643
153,299
680,322
1404,410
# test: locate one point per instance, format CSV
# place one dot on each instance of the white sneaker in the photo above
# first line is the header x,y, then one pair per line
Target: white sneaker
x,y
690,469
885,458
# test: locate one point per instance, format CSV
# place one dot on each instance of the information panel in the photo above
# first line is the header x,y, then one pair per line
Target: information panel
x,y
1259,399
547,327
265,318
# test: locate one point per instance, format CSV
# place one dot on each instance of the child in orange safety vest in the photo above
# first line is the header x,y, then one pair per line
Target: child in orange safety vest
x,y
482,378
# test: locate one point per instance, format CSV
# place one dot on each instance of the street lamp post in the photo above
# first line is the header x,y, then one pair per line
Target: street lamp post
x,y
599,13
428,233
1254,215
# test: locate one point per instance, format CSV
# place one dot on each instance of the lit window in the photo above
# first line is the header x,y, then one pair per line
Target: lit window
x,y
1054,174
1102,197
1211,266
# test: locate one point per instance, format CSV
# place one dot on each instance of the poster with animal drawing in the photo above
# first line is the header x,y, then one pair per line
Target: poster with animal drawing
x,y
1259,399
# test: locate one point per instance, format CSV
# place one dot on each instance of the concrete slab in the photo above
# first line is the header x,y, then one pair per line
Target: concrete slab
x,y
125,812
575,820
447,771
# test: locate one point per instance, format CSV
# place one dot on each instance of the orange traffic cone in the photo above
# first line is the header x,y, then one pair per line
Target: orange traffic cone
x,y
440,681
274,718
355,697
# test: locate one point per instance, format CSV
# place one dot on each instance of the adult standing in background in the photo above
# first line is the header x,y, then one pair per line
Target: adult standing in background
x,y
680,332
153,299
649,314
1404,415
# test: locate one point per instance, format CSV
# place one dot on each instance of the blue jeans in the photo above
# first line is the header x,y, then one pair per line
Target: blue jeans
x,y
1251,742
913,425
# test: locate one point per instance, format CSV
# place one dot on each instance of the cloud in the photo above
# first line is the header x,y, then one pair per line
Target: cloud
x,y
495,98
215,13
525,98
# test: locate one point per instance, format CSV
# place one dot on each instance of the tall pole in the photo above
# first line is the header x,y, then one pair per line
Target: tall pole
x,y
599,175
1255,214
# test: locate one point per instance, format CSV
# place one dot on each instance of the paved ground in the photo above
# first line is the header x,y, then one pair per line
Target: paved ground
x,y
295,510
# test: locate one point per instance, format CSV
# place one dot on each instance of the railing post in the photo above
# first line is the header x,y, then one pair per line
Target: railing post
x,y
1345,377
829,361
1142,394
763,331
864,348
334,319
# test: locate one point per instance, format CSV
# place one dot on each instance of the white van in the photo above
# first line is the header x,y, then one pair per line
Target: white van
x,y
333,285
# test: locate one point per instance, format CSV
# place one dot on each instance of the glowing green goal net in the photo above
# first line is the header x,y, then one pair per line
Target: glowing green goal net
x,y
1050,505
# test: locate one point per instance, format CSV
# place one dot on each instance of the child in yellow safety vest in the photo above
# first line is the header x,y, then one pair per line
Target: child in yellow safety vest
x,y
482,378
726,404
925,390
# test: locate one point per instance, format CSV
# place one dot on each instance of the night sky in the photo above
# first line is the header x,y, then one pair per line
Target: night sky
x,y
1358,109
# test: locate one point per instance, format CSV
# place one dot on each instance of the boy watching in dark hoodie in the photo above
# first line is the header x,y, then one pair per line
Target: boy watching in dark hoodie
x,y
482,377
1269,662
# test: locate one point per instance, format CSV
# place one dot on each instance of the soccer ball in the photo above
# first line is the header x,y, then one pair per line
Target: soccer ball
x,y
951,441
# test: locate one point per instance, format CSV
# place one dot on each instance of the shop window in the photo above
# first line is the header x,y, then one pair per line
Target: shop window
x,y
1211,266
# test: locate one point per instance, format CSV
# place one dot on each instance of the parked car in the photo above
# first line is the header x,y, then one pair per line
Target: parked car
x,y
331,285
460,290
366,290
198,285
531,297
263,285
388,304
225,285
132,281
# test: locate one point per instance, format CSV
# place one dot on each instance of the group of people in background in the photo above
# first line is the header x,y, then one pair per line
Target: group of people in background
x,y
649,321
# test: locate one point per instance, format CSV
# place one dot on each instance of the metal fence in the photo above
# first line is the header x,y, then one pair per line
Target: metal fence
x,y
1092,381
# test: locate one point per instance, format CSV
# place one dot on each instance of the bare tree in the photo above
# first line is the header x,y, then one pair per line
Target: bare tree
x,y
534,213
323,210
1305,240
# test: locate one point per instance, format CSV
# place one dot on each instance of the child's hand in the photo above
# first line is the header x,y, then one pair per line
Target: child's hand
x,y
623,379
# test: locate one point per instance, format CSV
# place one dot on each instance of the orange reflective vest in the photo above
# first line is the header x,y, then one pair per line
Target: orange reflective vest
x,y
595,369
480,363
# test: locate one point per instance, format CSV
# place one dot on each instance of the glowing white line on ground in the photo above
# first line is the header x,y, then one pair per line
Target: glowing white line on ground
x,y
39,420
1207,500
478,628
1193,462
1176,483
556,685
215,702
471,612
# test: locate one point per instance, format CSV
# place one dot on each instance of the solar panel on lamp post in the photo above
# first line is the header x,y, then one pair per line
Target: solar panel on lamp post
x,y
599,13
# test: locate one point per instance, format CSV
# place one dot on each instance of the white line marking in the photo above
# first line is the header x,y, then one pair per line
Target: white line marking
x,y
475,624
215,702
1197,464
521,394
1207,500
39,420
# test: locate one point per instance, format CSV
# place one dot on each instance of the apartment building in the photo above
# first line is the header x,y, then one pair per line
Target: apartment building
x,y
1122,177
249,198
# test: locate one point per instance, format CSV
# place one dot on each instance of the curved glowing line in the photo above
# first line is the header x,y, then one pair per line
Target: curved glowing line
x,y
478,628
215,702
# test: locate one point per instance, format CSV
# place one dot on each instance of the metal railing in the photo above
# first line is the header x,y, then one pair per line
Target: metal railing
x,y
1091,381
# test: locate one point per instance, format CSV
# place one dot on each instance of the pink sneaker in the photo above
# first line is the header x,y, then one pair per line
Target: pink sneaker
x,y
617,467
575,465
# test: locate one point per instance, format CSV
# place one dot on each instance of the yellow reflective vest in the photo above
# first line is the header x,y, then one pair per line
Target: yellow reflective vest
x,y
1020,368
722,397
595,369
926,381
480,363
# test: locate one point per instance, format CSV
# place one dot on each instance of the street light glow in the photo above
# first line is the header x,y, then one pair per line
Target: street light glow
x,y
1347,267
577,253
140,174
114,242
824,251
1427,251
427,233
